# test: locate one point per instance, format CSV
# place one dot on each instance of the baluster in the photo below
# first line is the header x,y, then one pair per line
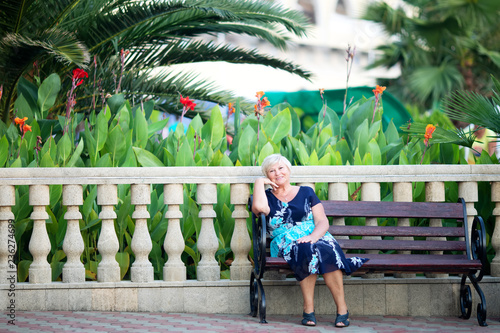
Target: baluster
x,y
241,267
39,246
495,238
73,245
8,246
174,269
468,191
434,192
371,192
208,268
402,192
338,191
142,269
108,269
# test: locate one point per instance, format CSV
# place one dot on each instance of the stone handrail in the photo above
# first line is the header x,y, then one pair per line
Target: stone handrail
x,y
206,178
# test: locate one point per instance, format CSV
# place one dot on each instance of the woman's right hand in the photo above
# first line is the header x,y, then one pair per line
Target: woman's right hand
x,y
267,181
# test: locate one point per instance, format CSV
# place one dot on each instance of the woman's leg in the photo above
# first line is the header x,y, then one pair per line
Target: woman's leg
x,y
334,281
307,287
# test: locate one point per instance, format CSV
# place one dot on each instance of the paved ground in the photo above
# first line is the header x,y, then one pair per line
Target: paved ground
x,y
88,322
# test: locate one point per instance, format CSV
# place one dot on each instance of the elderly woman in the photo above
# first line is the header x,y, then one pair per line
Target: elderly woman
x,y
298,227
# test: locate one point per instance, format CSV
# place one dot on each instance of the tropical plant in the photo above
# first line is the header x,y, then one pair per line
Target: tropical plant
x,y
439,45
131,46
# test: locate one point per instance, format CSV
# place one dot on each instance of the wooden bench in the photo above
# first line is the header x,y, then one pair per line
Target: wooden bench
x,y
452,253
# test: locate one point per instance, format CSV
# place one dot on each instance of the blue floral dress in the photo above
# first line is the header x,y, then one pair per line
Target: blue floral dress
x,y
289,221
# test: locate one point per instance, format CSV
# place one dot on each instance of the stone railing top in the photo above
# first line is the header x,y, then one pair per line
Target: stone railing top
x,y
248,174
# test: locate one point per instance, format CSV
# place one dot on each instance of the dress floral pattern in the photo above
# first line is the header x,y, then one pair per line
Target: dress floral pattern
x,y
289,221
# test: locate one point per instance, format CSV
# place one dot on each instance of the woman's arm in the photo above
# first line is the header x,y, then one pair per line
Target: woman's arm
x,y
321,225
260,204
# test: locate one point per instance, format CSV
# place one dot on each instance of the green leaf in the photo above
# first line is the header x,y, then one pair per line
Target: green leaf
x,y
213,130
157,126
140,129
115,102
116,144
123,259
48,92
146,159
279,126
374,150
265,151
91,145
184,155
23,108
46,161
246,145
64,147
76,154
4,151
101,130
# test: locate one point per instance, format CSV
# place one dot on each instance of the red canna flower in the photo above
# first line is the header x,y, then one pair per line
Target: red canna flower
x,y
79,75
429,129
188,104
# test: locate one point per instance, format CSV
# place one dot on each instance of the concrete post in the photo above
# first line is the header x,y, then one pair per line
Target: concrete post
x,y
434,192
73,245
241,268
142,269
371,192
495,238
174,269
39,246
8,246
208,269
108,269
402,192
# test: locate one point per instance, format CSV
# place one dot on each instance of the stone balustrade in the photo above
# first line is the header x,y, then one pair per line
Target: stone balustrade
x,y
367,179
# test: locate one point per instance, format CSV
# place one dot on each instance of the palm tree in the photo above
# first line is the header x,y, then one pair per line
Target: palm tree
x,y
43,36
440,46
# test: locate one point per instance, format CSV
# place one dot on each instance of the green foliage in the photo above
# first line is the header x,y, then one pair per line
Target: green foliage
x,y
121,135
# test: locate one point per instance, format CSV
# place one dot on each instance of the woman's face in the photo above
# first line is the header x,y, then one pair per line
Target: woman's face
x,y
279,174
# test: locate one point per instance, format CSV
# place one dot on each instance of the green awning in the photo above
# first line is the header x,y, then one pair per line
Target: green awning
x,y
310,103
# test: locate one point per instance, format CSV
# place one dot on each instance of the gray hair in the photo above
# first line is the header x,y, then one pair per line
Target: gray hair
x,y
273,159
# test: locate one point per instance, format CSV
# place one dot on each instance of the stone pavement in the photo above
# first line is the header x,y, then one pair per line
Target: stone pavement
x,y
89,322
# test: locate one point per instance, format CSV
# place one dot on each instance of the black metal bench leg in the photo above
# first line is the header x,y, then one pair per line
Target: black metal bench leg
x,y
262,304
254,296
465,299
481,306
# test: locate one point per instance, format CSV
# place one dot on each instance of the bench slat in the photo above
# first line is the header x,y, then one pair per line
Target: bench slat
x,y
361,230
401,245
415,263
388,209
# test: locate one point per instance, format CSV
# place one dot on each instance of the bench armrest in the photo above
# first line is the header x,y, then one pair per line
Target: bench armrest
x,y
478,244
259,236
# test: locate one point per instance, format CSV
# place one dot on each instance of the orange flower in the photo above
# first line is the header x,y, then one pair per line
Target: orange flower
x,y
230,108
429,129
20,121
26,128
265,102
259,94
378,90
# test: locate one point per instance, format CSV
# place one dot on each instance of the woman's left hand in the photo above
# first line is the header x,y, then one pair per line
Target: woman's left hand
x,y
307,239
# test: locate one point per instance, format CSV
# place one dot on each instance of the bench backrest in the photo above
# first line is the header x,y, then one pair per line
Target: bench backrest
x,y
391,237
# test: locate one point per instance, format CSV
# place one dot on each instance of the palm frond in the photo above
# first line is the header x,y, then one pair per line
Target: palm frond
x,y
441,135
181,51
471,107
434,82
